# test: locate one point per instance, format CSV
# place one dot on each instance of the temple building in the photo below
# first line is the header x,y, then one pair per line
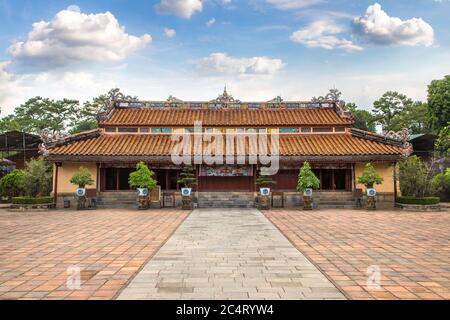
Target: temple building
x,y
319,131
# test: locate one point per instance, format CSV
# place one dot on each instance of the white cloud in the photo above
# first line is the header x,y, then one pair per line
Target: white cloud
x,y
74,7
179,8
323,34
169,33
72,36
221,63
292,4
377,27
210,22
7,86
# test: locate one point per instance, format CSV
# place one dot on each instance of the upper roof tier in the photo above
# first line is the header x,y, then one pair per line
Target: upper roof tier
x,y
225,117
227,111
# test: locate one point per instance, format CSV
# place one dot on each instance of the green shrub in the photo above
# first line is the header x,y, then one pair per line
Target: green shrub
x,y
187,179
441,185
142,177
414,177
264,181
307,179
37,178
418,200
82,178
32,200
11,185
370,176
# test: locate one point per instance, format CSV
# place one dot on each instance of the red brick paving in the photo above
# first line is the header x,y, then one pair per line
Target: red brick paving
x,y
109,246
412,249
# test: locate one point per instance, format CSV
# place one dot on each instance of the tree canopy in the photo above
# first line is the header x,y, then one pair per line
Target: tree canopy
x,y
364,120
439,103
390,105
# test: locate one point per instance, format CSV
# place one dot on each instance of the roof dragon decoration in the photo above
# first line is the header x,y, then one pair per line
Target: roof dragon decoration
x,y
403,136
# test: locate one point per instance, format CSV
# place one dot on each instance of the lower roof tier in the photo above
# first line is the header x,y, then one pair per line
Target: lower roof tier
x,y
132,147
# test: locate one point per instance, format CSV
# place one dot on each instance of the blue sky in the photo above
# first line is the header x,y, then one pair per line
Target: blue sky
x,y
191,48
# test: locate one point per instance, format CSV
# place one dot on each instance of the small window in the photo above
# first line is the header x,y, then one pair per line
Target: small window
x,y
157,104
261,130
196,105
339,129
240,130
145,130
156,130
219,130
235,106
273,130
209,130
273,105
230,130
250,130
215,105
254,105
305,130
111,129
288,130
128,129
292,105
189,130
323,129
166,130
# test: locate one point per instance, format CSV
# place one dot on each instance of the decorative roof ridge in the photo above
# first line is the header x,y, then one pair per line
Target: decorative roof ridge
x,y
385,139
84,135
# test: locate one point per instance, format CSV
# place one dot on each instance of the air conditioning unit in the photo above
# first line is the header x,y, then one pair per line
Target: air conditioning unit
x,y
186,192
265,191
308,192
142,192
371,192
81,192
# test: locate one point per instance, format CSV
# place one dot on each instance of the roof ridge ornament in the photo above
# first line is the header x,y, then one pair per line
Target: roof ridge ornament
x,y
277,99
173,99
225,98
403,136
333,95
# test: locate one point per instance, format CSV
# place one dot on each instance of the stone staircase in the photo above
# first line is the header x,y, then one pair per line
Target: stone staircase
x,y
334,200
119,199
226,200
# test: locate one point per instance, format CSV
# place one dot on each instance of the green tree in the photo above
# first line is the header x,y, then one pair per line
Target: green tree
x,y
441,185
82,178
364,120
389,106
38,114
414,177
37,179
91,109
142,177
442,144
187,175
306,178
10,123
439,103
369,177
414,117
11,185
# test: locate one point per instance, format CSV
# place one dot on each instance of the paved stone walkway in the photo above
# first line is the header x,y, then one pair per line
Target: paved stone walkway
x,y
229,254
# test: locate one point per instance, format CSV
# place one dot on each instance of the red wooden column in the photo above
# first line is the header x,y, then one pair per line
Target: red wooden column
x,y
55,193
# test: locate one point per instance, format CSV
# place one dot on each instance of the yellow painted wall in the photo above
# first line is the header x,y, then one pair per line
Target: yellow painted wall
x,y
67,170
385,170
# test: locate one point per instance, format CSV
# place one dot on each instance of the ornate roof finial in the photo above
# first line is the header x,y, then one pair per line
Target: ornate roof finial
x,y
225,93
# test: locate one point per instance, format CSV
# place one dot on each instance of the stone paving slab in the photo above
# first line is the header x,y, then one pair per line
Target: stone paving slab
x,y
411,250
229,254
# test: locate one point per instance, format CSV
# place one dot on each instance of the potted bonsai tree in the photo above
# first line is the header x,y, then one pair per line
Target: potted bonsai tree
x,y
369,178
264,182
307,181
82,179
187,180
142,180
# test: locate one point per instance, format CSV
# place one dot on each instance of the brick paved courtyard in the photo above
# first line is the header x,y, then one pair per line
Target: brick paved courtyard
x,y
109,246
411,249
